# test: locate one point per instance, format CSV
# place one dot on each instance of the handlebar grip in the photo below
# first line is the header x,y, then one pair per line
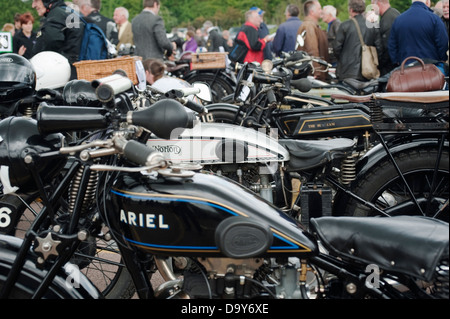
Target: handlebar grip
x,y
271,97
52,119
266,78
141,154
200,109
323,62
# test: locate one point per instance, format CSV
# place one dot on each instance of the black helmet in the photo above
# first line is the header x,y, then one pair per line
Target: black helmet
x,y
17,78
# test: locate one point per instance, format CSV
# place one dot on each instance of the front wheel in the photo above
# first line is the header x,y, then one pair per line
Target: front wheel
x,y
383,187
98,259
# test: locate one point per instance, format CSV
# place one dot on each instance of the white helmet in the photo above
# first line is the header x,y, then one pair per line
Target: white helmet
x,y
52,70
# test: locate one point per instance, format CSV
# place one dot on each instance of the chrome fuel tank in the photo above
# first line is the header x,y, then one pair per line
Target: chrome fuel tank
x,y
220,143
202,215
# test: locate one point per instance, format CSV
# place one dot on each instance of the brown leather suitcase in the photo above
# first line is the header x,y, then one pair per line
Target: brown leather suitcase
x,y
420,78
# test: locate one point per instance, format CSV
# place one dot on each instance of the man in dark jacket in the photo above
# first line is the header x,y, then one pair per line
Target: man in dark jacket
x,y
445,12
347,46
149,32
387,16
418,32
286,37
329,16
55,34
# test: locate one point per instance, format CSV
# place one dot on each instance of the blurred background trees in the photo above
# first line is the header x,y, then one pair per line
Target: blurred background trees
x,y
185,13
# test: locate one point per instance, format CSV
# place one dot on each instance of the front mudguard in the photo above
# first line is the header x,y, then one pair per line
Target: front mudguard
x,y
69,283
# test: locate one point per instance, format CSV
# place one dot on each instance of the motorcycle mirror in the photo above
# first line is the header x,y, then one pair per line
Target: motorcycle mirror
x,y
301,39
205,91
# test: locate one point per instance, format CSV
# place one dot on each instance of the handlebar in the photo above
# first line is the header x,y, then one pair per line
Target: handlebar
x,y
180,94
161,118
323,62
138,153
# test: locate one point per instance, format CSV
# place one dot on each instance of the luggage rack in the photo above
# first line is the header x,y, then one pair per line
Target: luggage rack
x,y
405,112
423,112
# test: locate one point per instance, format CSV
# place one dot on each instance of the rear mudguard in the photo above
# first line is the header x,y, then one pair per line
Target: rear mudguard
x,y
222,106
378,154
69,283
198,73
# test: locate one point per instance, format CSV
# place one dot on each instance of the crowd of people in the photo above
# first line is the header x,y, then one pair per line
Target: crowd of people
x,y
420,31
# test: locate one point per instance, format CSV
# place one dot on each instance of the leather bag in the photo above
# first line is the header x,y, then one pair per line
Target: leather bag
x,y
369,58
420,78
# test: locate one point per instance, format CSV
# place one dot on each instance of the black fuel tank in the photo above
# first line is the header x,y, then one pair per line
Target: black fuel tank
x,y
202,215
297,125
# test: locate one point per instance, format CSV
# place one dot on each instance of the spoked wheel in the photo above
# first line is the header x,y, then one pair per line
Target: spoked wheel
x,y
99,259
427,195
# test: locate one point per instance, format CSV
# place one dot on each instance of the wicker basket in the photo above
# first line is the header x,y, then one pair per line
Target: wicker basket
x,y
96,69
208,60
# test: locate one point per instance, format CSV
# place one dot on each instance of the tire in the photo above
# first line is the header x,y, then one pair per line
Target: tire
x,y
219,87
31,277
103,265
383,187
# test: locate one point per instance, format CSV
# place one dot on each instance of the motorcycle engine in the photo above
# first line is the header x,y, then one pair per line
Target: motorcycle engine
x,y
212,278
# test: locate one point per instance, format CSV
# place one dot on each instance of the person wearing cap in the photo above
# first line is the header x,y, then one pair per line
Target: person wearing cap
x,y
248,36
263,31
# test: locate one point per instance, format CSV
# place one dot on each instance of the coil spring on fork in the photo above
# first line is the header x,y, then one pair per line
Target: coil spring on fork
x,y
348,170
28,112
90,190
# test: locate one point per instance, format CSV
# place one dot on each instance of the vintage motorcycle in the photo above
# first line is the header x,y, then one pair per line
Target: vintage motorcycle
x,y
224,241
401,136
